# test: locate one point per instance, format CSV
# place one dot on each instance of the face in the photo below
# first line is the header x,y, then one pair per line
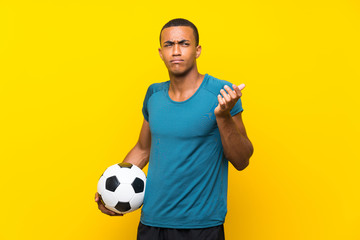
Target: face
x,y
178,49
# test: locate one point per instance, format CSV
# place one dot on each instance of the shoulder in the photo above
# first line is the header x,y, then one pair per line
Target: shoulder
x,y
214,85
156,87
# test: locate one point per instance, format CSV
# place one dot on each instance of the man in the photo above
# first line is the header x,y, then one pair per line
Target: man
x,y
192,127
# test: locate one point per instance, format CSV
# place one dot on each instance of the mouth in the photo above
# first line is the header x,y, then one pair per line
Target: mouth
x,y
176,61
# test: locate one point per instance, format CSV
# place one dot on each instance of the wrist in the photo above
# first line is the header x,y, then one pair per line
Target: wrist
x,y
224,116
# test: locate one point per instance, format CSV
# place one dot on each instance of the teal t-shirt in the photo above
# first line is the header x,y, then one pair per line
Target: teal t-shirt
x,y
187,175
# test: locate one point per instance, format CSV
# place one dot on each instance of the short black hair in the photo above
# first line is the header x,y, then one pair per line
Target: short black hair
x,y
181,22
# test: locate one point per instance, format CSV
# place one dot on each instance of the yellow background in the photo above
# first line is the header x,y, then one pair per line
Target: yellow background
x,y
74,75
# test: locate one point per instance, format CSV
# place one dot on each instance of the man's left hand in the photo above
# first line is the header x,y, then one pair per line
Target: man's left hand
x,y
228,99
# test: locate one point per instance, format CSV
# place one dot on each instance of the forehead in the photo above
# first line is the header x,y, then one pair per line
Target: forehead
x,y
177,34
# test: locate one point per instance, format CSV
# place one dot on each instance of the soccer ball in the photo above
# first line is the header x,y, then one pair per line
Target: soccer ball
x,y
122,187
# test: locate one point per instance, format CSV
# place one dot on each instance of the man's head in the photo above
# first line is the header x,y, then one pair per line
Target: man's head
x,y
179,46
178,22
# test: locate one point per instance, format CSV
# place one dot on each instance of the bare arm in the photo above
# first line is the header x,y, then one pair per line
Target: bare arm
x,y
140,153
237,146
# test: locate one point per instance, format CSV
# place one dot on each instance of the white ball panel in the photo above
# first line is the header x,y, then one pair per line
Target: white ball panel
x,y
101,185
111,171
124,192
109,198
125,175
138,172
137,200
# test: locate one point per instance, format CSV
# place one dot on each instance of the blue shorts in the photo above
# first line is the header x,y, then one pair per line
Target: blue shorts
x,y
157,233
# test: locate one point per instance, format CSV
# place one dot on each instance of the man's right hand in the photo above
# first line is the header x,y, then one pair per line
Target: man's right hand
x,y
103,209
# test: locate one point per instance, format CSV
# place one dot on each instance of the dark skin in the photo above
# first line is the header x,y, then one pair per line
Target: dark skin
x,y
103,209
178,43
179,53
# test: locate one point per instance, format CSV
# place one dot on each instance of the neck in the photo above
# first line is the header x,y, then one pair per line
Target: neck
x,y
186,83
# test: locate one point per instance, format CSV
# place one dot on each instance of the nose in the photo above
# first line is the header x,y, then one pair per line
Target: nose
x,y
176,50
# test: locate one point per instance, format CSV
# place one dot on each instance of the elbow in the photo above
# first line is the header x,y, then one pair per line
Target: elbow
x,y
242,165
244,162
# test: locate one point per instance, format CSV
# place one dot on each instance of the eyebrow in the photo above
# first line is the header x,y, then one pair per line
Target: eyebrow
x,y
182,41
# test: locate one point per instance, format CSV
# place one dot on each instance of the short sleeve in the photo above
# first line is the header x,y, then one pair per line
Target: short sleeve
x,y
237,108
145,103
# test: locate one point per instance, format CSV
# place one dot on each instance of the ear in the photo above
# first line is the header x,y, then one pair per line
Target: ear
x,y
198,51
160,53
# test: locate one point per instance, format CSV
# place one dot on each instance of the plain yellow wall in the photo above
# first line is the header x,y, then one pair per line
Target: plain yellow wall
x,y
74,75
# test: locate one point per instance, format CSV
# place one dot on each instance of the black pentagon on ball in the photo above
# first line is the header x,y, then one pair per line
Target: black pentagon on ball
x,y
125,165
123,206
112,183
138,185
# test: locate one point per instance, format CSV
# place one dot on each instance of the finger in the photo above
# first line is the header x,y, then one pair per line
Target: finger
x,y
103,209
108,212
112,213
241,86
232,93
101,205
118,214
226,96
221,102
238,90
